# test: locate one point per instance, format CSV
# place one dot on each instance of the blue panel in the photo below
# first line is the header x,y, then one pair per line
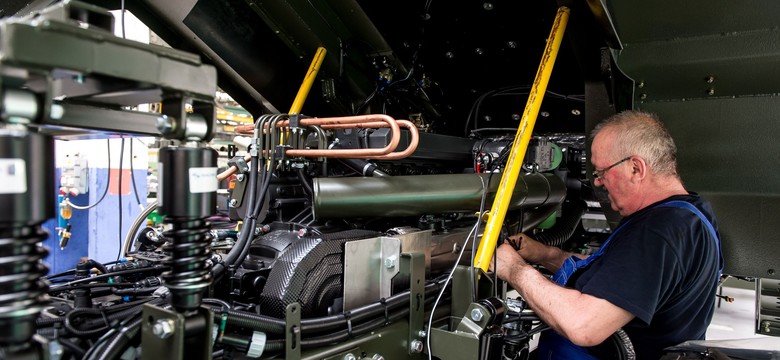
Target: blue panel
x,y
95,231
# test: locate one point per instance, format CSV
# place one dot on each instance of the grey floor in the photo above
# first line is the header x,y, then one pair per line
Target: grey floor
x,y
736,321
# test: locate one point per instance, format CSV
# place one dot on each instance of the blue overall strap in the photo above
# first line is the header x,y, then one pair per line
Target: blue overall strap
x,y
573,263
686,205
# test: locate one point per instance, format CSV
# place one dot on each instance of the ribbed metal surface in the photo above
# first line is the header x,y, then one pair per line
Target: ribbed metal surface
x,y
309,273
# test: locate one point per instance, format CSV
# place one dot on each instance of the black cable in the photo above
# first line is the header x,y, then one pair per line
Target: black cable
x,y
132,174
105,191
105,276
119,192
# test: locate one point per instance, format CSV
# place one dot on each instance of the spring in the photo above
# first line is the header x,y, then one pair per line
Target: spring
x,y
23,288
190,273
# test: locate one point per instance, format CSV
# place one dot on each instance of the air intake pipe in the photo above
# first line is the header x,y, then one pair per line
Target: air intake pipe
x,y
426,194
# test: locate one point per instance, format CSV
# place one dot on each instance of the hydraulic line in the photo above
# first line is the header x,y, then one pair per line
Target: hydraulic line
x,y
514,164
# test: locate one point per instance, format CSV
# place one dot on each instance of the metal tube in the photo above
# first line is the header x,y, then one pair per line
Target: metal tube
x,y
425,194
520,145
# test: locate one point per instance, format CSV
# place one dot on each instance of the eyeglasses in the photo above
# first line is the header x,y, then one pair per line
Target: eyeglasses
x,y
597,174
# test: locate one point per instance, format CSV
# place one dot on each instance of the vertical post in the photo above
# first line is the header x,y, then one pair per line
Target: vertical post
x,y
520,144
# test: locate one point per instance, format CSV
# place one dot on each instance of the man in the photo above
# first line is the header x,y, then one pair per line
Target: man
x,y
655,277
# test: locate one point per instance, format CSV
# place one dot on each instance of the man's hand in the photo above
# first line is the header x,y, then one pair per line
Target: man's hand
x,y
507,261
530,249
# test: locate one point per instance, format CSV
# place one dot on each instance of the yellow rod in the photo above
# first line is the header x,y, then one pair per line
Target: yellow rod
x,y
520,145
303,91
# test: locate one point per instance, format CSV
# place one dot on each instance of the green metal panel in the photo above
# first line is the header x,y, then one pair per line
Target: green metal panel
x,y
709,70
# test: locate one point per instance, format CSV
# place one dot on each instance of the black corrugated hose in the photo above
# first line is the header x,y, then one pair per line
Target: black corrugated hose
x,y
566,225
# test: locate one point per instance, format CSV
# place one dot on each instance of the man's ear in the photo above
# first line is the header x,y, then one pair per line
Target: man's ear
x,y
639,168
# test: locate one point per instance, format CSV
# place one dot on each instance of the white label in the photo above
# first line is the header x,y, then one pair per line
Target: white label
x,y
203,179
13,176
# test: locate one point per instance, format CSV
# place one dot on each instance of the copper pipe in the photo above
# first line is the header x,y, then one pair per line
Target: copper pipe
x,y
347,122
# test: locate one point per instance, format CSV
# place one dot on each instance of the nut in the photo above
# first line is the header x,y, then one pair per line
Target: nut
x,y
163,328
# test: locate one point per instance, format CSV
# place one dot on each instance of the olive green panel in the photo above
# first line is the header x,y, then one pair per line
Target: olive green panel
x,y
718,65
726,145
728,151
642,21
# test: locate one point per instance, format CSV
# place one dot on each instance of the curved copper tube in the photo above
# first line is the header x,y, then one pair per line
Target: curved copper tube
x,y
413,141
347,122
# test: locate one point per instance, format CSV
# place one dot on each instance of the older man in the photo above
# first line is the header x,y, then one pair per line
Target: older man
x,y
655,276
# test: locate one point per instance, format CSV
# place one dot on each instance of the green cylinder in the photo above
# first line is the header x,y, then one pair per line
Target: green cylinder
x,y
426,194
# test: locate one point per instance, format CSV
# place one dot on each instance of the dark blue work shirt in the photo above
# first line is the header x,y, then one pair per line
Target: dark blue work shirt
x,y
662,267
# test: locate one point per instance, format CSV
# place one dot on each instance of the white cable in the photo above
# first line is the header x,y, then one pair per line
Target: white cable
x,y
443,288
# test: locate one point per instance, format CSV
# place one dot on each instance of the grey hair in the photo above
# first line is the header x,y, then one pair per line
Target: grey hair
x,y
642,134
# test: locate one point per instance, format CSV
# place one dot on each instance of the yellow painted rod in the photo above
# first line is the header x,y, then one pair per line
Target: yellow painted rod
x,y
303,91
519,146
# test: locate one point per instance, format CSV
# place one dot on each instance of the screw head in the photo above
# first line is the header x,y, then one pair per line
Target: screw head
x,y
240,177
164,124
476,315
233,202
163,328
422,333
377,357
390,262
416,346
350,357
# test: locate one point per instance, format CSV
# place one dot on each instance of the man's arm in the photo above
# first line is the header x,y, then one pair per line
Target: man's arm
x,y
584,319
535,252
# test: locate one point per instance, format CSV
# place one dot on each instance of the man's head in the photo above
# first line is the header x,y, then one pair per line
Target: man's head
x,y
635,160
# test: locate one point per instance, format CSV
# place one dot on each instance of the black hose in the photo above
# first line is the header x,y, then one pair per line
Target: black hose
x,y
565,227
317,325
304,180
76,350
135,291
104,321
117,345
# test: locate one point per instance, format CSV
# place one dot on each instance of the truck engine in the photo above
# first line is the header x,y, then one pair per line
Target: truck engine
x,y
358,224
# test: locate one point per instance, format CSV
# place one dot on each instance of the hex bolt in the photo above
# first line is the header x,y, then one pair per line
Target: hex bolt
x,y
163,328
390,262
422,333
710,79
765,324
350,357
377,357
233,202
476,315
711,92
416,346
165,124
240,177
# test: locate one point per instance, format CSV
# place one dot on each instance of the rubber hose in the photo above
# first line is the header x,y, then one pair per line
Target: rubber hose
x,y
565,227
46,322
305,183
117,345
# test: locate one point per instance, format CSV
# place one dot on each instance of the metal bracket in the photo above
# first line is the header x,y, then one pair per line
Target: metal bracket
x,y
414,263
292,332
170,344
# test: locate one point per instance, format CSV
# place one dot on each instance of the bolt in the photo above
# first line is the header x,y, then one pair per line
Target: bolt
x,y
233,202
511,44
479,51
476,315
266,228
641,84
488,118
164,124
390,262
350,357
163,328
770,271
377,357
487,6
240,177
710,79
416,346
422,333
643,96
516,117
545,114
711,92
765,325
302,232
576,112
